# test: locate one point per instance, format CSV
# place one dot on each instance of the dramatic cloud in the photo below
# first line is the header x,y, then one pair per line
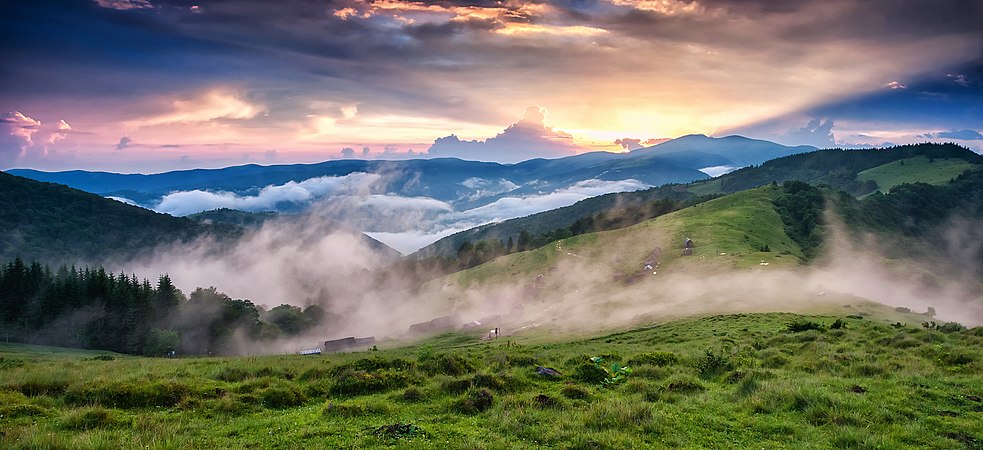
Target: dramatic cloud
x,y
526,139
23,137
355,73
212,106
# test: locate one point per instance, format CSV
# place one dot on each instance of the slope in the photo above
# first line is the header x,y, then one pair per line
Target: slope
x,y
919,169
57,224
837,168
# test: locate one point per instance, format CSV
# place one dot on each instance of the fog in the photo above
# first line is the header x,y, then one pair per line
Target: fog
x,y
304,262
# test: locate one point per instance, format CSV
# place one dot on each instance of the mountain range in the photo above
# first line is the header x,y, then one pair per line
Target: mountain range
x,y
462,184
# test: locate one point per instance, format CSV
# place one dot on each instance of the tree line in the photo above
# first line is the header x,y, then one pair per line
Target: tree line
x,y
96,309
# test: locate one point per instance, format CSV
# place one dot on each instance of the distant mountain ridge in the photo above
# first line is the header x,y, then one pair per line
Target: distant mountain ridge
x,y
446,179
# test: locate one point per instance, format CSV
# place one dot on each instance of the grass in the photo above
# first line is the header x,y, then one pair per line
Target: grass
x,y
725,381
912,170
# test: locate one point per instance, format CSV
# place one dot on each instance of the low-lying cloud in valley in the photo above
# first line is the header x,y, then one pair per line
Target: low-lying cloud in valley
x,y
405,223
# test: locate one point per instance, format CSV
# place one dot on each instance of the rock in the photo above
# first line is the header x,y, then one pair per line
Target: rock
x,y
548,372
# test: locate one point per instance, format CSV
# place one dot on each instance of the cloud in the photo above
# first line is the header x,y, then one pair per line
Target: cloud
x,y
212,106
959,79
896,85
124,142
629,143
124,5
23,137
271,197
424,230
816,133
348,153
526,139
487,188
717,171
963,135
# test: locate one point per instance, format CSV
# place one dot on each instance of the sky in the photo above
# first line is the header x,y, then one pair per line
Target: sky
x,y
156,85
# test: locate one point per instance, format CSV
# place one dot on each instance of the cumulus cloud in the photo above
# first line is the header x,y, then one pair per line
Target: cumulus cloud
x,y
124,142
298,194
21,135
526,139
962,135
816,133
896,85
629,143
348,153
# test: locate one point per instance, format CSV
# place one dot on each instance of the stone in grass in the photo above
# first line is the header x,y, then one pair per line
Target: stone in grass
x,y
548,372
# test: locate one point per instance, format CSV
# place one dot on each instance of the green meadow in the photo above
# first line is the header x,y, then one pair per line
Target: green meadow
x,y
866,376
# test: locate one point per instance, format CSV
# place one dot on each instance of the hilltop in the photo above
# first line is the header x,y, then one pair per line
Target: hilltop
x,y
858,172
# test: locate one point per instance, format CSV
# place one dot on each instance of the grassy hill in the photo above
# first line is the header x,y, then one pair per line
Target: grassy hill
x,y
769,380
839,169
920,169
57,224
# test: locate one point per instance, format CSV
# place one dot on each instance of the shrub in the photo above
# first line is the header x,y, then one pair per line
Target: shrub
x,y
574,392
412,394
317,373
837,324
88,419
128,394
448,364
683,384
282,395
951,327
353,409
712,364
804,325
361,382
21,410
589,372
475,401
654,358
232,374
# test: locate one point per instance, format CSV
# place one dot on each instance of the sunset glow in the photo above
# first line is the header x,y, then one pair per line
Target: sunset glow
x,y
158,84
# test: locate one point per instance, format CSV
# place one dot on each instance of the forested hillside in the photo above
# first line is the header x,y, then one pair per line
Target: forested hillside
x,y
91,308
57,224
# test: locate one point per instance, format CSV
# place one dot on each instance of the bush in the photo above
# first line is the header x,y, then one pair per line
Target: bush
x,y
712,364
88,419
128,395
574,392
683,384
412,394
804,325
589,372
475,401
361,382
283,395
232,374
448,364
837,324
654,359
